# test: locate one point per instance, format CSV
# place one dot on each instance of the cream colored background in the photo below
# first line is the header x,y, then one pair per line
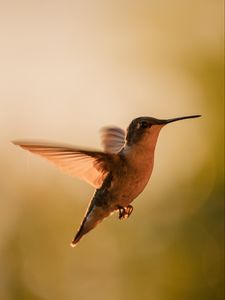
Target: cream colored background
x,y
68,68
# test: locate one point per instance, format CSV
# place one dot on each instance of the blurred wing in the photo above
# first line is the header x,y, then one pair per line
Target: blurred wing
x,y
112,139
91,166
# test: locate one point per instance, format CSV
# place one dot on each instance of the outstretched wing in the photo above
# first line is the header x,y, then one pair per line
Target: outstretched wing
x,y
112,139
91,166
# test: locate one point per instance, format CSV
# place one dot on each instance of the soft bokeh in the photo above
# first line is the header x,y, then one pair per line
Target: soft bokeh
x,y
68,68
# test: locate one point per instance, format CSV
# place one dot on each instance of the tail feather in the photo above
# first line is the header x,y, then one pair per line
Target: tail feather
x,y
78,236
92,218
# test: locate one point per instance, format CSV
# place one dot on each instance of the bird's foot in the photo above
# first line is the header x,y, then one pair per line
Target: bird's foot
x,y
124,212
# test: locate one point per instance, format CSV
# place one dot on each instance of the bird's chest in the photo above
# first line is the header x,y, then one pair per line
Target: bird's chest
x,y
135,176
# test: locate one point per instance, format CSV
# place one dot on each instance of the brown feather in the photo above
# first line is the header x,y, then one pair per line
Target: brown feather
x,y
112,139
91,166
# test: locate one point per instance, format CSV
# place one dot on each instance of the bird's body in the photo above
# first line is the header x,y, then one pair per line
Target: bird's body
x,y
131,172
119,174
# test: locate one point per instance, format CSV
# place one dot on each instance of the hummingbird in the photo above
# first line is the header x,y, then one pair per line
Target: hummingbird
x,y
119,173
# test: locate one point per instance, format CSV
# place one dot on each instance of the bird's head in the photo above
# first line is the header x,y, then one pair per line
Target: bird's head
x,y
143,128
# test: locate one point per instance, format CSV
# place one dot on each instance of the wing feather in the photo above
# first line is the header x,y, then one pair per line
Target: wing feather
x,y
91,166
112,139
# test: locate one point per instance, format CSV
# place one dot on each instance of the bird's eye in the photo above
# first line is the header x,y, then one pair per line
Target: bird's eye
x,y
143,124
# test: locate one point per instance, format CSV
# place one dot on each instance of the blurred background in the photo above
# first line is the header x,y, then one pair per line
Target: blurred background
x,y
67,69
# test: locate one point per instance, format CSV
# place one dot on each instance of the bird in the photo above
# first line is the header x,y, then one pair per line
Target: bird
x,y
119,173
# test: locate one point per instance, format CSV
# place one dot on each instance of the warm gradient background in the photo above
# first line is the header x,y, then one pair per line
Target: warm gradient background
x,y
66,69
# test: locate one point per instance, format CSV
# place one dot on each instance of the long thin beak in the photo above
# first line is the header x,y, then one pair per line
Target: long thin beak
x,y
178,119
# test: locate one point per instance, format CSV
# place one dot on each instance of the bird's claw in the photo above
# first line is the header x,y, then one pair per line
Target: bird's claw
x,y
124,212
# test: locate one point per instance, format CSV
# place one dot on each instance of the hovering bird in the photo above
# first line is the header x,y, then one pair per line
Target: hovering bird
x,y
119,173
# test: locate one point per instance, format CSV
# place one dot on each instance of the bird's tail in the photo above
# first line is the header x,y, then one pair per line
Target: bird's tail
x,y
77,237
92,218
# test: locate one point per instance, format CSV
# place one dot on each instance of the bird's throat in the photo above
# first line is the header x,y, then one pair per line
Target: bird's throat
x,y
143,150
